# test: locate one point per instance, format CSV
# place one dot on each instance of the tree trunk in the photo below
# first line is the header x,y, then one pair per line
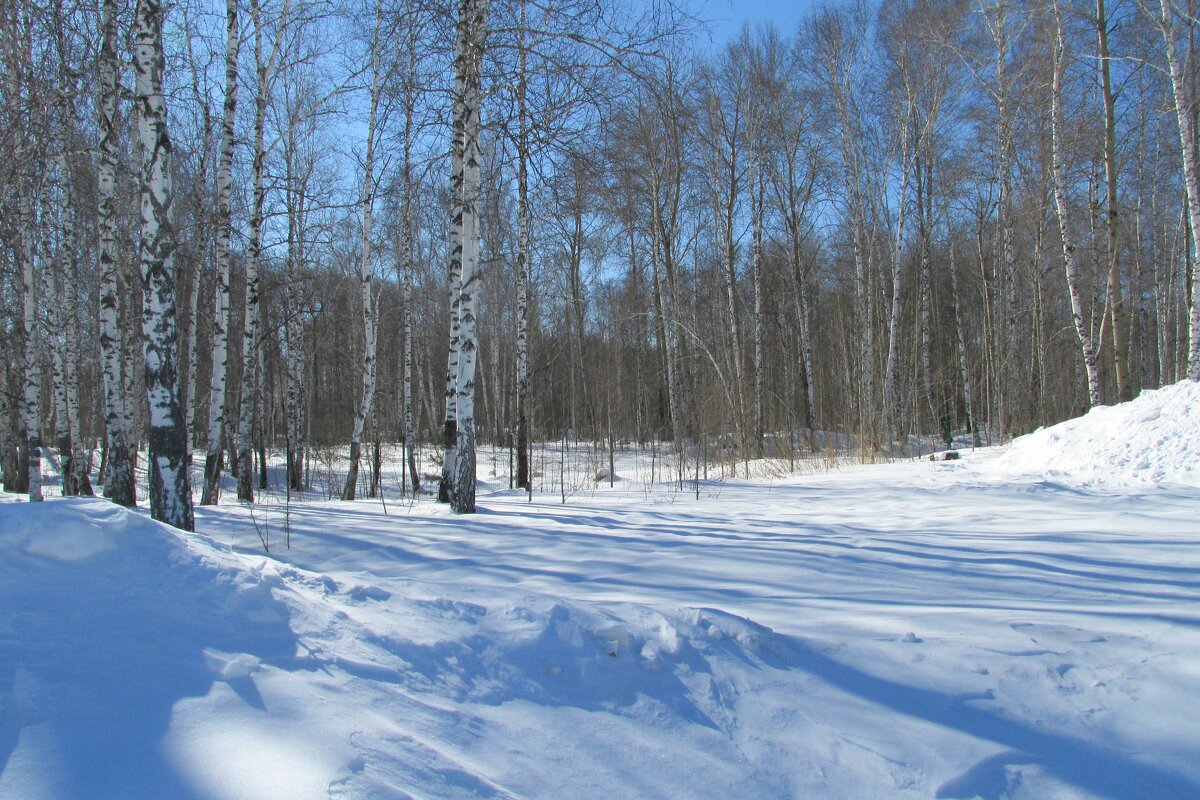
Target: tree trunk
x,y
264,68
214,455
170,487
1116,302
1191,175
756,258
117,476
523,246
470,61
1086,346
31,393
366,271
964,366
455,247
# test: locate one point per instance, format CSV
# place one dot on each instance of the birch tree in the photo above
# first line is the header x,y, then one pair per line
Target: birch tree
x,y
459,116
118,477
214,455
468,63
31,379
170,488
523,251
365,267
1185,117
1082,332
265,70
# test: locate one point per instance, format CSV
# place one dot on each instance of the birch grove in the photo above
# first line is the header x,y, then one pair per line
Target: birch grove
x,y
921,224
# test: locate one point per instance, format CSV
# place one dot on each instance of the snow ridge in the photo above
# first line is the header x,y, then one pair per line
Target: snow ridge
x,y
1153,439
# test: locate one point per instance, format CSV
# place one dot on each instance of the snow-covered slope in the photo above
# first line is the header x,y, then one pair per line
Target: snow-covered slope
x,y
1154,438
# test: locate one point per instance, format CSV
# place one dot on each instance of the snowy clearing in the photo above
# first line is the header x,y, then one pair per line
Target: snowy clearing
x,y
923,629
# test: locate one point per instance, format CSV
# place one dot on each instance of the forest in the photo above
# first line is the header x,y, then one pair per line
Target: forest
x,y
294,225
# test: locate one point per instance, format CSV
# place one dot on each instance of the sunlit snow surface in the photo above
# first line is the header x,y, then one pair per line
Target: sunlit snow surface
x,y
921,629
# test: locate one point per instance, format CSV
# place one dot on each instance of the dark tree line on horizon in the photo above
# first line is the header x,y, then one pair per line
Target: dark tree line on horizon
x,y
290,224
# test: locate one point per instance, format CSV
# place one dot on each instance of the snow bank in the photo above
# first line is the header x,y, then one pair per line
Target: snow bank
x,y
1153,439
108,623
134,659
61,532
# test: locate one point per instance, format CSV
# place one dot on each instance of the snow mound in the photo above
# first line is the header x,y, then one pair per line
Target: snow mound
x,y
1153,439
109,622
125,642
57,531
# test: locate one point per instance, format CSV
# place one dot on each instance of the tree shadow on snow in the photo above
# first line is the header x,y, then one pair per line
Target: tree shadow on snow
x,y
1091,767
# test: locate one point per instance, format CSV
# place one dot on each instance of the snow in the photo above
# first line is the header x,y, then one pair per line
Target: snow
x,y
1152,439
949,629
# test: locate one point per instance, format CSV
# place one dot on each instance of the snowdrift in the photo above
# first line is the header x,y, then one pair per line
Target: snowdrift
x,y
1153,439
136,661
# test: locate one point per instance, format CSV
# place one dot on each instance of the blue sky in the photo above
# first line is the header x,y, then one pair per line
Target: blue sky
x,y
726,16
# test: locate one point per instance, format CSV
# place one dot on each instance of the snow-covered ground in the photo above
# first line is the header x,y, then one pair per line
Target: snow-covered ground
x,y
1021,623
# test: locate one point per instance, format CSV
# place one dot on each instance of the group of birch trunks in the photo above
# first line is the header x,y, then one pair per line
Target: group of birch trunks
x,y
237,226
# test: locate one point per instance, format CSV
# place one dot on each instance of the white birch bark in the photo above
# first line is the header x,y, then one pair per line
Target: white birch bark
x,y
455,246
463,497
1191,171
31,385
118,477
170,488
1086,347
523,256
217,404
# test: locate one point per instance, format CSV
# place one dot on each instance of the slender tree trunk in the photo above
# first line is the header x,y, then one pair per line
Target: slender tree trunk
x,y
456,238
118,472
265,69
756,258
1184,115
170,488
523,254
31,392
1116,302
924,244
964,366
891,371
366,271
213,459
1086,346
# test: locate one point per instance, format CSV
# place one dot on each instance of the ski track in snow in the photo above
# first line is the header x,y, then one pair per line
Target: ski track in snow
x,y
914,630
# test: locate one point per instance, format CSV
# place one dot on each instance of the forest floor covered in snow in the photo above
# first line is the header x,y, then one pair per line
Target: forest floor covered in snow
x,y
1020,623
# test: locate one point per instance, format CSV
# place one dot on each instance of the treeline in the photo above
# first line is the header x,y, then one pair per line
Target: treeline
x,y
579,219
